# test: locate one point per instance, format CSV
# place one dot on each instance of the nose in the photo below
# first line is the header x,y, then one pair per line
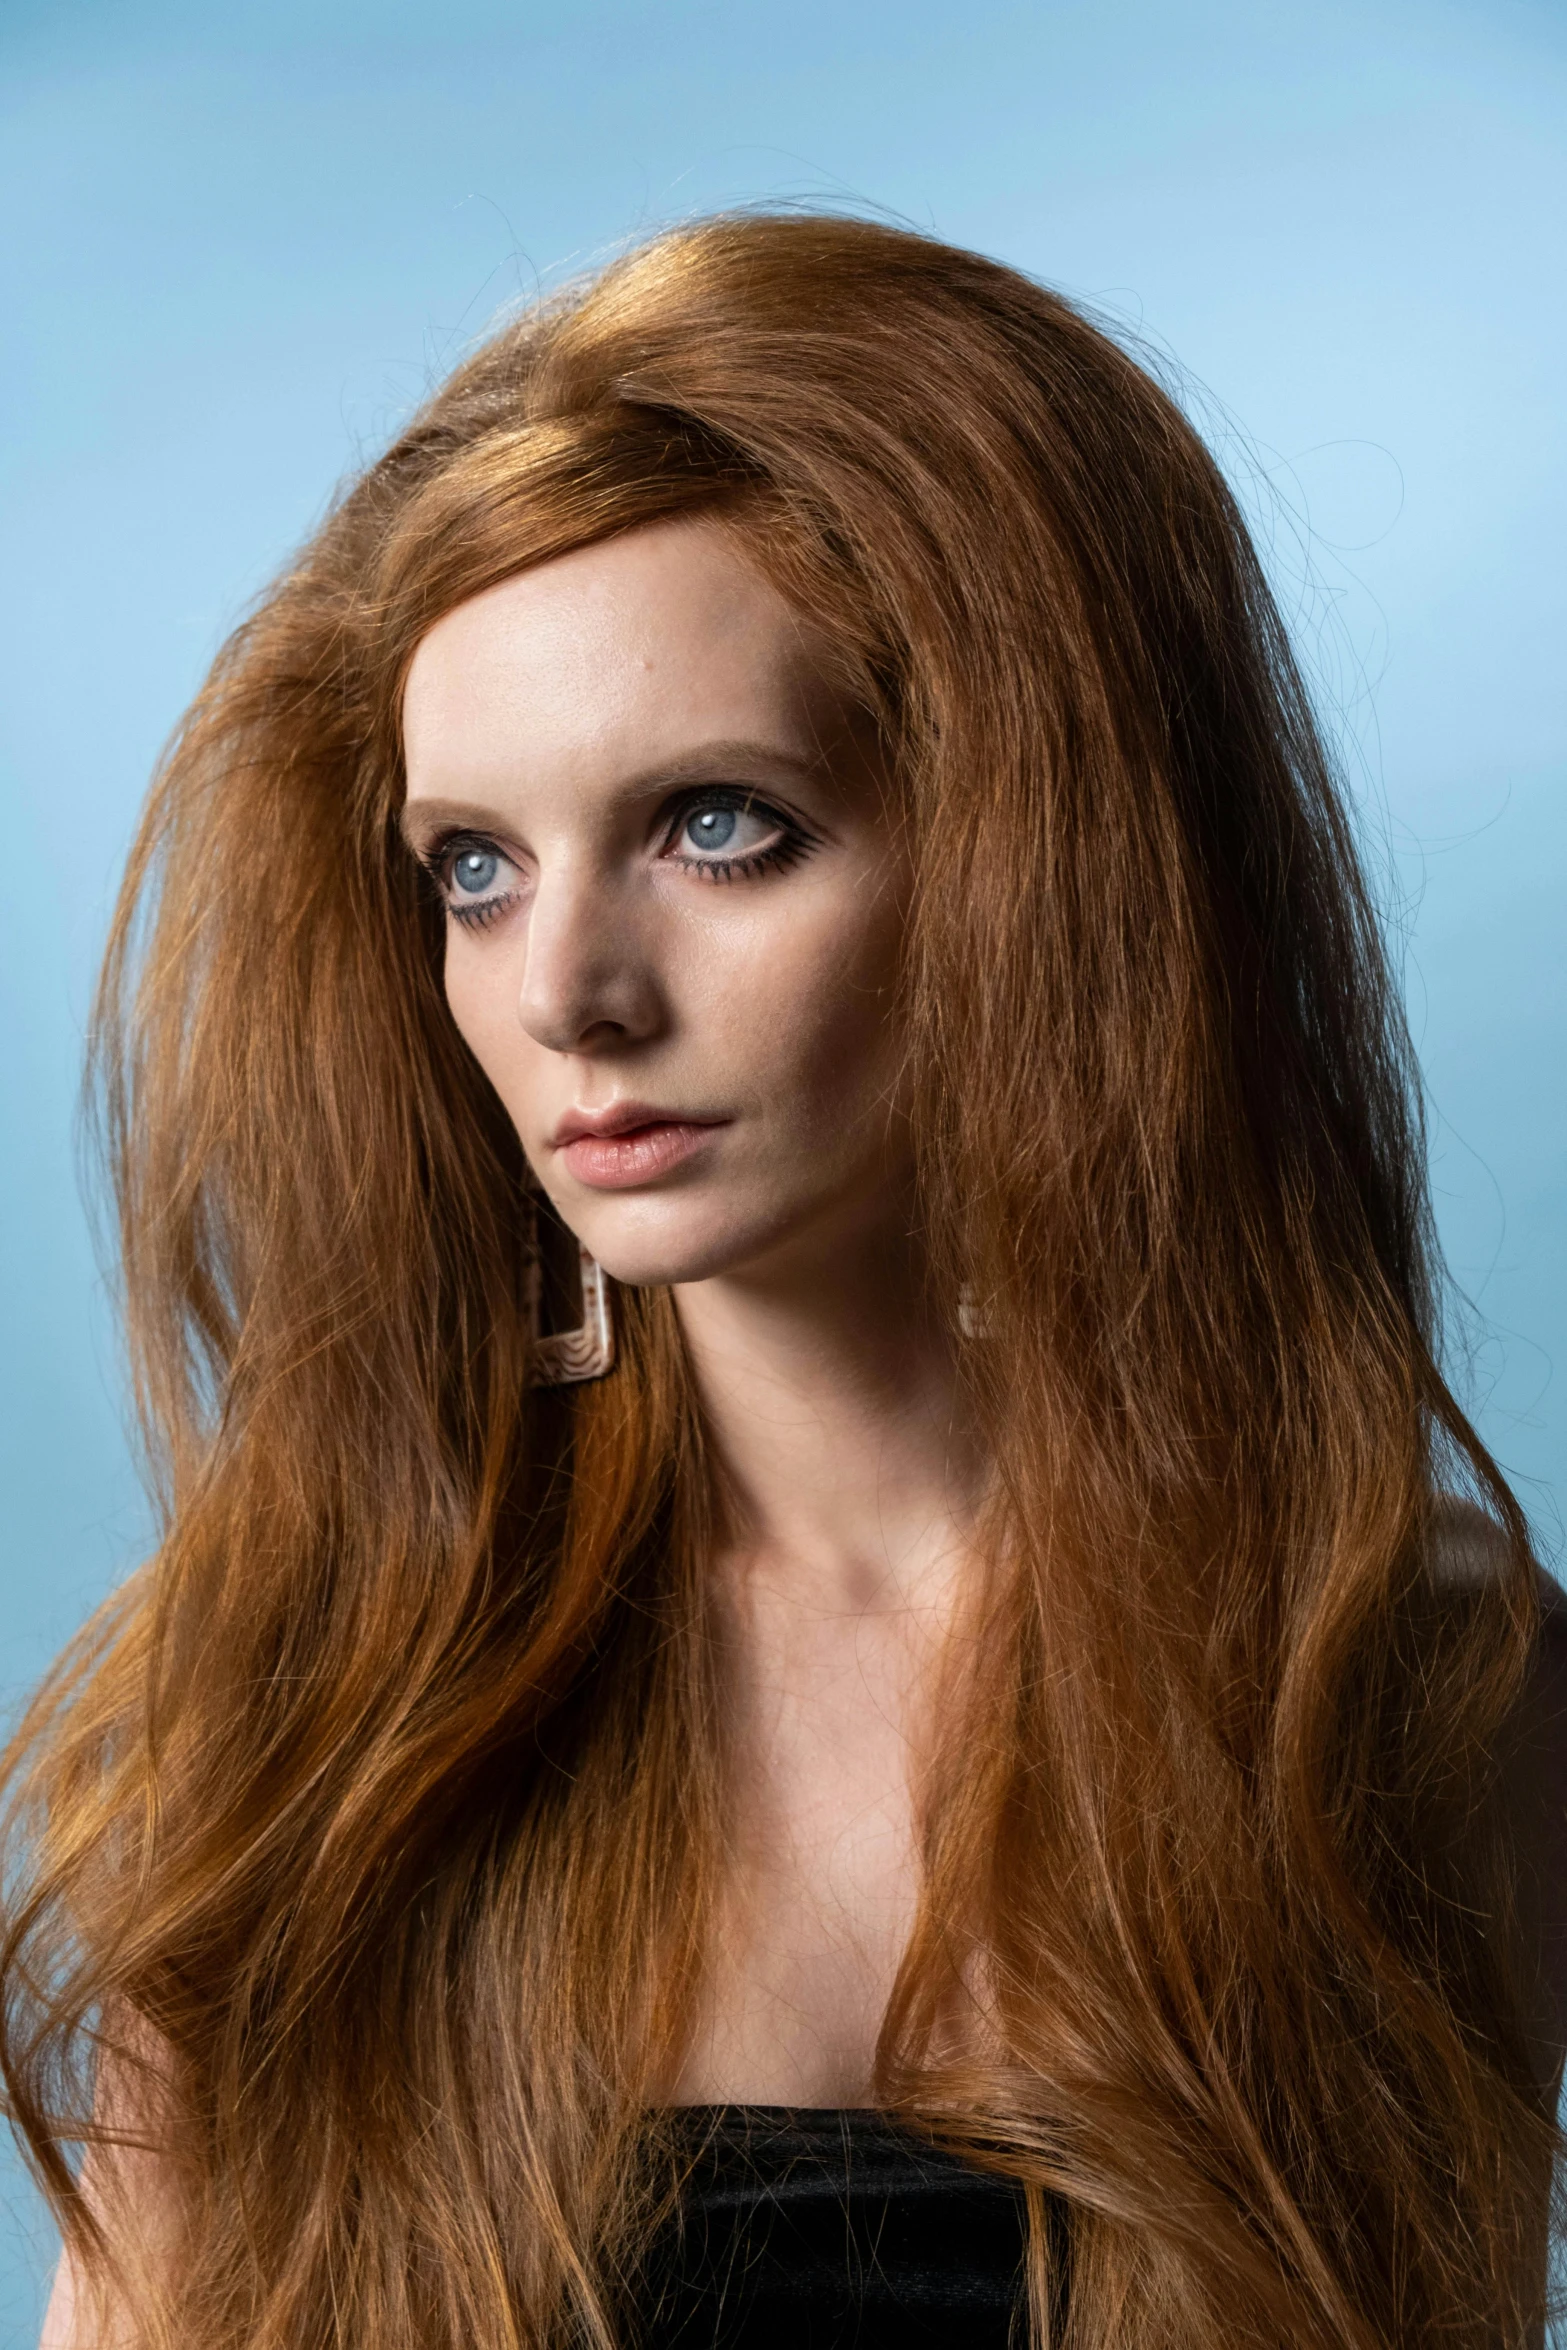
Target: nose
x,y
587,982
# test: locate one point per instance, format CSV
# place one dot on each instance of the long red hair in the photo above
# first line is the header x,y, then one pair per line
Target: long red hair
x,y
384,1802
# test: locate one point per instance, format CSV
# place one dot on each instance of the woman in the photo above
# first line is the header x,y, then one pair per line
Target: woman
x,y
949,1717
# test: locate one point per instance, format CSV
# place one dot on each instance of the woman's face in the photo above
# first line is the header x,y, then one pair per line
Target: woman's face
x,y
674,903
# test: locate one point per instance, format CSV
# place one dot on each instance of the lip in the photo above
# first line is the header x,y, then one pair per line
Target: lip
x,y
629,1144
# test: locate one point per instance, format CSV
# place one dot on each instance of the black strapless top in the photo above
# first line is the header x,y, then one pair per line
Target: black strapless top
x,y
827,2229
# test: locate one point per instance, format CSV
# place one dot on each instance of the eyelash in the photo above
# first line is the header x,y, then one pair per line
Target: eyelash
x,y
480,917
436,860
793,844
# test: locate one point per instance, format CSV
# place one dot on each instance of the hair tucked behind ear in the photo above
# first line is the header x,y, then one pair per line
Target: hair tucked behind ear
x,y
382,1805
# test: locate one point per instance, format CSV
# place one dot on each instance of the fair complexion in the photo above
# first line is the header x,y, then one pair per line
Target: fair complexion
x,y
676,898
676,903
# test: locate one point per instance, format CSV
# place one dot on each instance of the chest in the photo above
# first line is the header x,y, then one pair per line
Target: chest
x,y
821,1872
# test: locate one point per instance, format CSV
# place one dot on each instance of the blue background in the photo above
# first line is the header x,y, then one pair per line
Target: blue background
x,y
241,237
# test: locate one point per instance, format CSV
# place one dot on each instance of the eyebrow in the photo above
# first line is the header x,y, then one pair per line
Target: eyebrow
x,y
714,762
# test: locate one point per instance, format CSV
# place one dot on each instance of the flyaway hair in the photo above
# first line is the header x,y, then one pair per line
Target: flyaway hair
x,y
364,1845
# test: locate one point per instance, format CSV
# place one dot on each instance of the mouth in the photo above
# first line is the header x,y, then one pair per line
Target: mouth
x,y
631,1144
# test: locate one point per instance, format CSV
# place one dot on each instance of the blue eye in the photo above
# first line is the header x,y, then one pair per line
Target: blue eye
x,y
731,835
476,881
710,828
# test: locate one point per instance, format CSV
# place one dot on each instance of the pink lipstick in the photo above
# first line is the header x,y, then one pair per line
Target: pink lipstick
x,y
631,1144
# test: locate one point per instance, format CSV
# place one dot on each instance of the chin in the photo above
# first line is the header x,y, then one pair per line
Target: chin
x,y
646,1246
646,1261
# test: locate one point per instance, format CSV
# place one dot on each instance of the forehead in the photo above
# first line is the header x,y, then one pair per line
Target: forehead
x,y
616,656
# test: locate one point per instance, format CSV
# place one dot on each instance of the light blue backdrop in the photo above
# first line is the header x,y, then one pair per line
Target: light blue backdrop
x,y
240,240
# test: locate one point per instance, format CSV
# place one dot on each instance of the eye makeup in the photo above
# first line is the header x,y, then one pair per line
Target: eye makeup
x,y
715,832
724,832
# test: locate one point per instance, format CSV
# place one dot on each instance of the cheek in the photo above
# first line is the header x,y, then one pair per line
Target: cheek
x,y
806,1009
468,1001
482,998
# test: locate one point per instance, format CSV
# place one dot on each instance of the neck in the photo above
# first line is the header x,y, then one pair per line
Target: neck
x,y
831,1399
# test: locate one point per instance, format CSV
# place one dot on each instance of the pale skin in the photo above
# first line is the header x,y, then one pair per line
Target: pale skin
x,y
588,744
590,722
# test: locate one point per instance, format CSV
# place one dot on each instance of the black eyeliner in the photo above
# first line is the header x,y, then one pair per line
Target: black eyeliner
x,y
794,843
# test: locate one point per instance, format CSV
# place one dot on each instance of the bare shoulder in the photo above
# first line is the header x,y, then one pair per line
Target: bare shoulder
x,y
128,2181
61,2331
